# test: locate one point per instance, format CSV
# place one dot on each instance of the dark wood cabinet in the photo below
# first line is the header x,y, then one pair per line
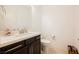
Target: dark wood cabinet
x,y
27,46
24,50
35,47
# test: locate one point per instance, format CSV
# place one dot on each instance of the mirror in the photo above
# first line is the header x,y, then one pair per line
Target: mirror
x,y
16,16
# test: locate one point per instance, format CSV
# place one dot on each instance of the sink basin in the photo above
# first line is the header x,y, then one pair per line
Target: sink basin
x,y
5,39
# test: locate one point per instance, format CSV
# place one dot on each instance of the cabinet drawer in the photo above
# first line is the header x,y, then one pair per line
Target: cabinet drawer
x,y
12,50
30,40
37,37
13,47
23,50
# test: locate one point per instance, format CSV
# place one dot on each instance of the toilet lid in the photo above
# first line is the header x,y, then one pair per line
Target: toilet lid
x,y
45,41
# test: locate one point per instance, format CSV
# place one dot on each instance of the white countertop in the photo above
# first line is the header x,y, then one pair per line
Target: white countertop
x,y
7,40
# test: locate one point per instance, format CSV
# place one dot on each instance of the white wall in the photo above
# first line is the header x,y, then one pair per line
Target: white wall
x,y
76,42
58,20
36,18
61,21
1,23
18,16
2,15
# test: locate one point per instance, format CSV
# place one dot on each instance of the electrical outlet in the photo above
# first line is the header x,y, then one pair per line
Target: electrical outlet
x,y
54,37
78,39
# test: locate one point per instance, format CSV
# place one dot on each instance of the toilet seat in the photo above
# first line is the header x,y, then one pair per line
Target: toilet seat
x,y
46,41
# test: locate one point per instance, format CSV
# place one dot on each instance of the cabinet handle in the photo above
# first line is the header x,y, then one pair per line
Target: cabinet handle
x,y
37,37
13,48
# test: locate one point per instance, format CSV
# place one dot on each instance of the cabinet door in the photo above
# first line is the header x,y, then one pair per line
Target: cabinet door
x,y
36,47
31,48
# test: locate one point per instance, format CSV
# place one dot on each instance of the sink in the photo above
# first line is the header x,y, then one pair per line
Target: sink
x,y
5,39
16,37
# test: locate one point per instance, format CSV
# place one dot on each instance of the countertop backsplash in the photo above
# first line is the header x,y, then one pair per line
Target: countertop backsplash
x,y
20,30
14,31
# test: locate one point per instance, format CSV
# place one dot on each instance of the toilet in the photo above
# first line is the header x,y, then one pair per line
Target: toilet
x,y
45,46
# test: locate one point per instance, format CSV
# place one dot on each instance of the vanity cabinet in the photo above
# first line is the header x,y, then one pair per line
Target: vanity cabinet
x,y
27,46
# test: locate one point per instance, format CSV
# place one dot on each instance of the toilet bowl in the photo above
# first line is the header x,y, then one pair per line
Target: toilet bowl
x,y
45,44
